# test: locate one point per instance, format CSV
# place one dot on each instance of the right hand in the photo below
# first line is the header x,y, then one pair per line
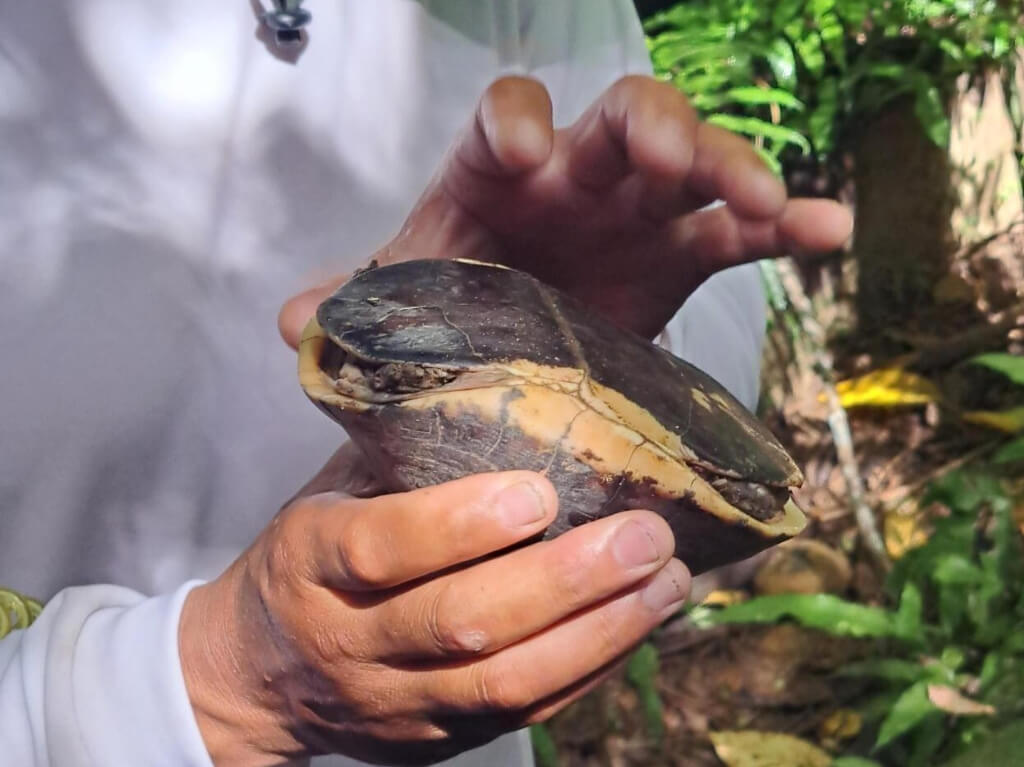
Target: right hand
x,y
403,628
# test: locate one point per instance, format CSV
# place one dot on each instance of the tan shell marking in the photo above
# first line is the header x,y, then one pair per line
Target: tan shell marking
x,y
558,419
559,407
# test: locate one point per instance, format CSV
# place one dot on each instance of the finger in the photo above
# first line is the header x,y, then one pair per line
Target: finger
x,y
547,664
814,226
726,167
638,125
498,602
511,131
711,240
377,543
299,309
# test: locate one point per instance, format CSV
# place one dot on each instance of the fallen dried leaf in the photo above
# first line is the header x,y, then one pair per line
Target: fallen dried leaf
x,y
903,532
750,748
804,566
725,597
1008,421
887,387
841,724
952,701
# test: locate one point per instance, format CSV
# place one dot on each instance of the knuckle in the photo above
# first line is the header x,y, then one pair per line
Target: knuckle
x,y
633,83
572,576
282,560
362,559
608,631
497,688
448,630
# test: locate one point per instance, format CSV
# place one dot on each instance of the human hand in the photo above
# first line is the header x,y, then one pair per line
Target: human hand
x,y
608,209
389,629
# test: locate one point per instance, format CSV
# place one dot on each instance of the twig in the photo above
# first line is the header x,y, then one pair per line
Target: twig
x,y
978,245
839,425
975,339
892,501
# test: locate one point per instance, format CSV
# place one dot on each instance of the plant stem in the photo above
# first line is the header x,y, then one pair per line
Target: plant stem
x,y
813,338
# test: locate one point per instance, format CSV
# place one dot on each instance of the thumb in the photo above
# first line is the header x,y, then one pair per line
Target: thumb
x,y
298,310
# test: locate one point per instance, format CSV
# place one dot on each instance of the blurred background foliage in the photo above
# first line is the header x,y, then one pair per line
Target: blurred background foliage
x,y
892,633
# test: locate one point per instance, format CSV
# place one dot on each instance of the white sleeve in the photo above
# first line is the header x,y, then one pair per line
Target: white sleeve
x,y
721,328
96,682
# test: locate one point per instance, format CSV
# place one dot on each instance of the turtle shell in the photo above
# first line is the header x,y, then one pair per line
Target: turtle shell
x,y
439,368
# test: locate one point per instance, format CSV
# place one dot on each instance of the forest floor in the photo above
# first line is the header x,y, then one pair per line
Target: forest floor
x,y
779,678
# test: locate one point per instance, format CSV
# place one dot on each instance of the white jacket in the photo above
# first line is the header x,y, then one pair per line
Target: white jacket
x,y
166,182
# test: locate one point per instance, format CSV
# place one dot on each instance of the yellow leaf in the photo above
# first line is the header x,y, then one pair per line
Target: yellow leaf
x,y
724,598
952,701
1010,421
841,724
887,387
902,533
749,748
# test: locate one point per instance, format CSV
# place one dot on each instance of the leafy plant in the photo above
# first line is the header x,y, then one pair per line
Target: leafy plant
x,y
1012,367
16,611
792,73
642,674
955,667
545,750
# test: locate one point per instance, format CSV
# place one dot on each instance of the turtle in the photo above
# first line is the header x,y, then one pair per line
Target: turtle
x,y
438,369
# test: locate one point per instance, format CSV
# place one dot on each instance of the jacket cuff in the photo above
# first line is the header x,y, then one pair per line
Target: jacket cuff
x,y
127,687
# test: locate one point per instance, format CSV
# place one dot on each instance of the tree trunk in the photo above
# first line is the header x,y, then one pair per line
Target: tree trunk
x,y
903,242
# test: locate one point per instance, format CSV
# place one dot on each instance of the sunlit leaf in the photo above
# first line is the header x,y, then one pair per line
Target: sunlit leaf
x,y
833,36
749,748
950,700
819,611
1010,365
1008,421
770,159
751,126
887,387
783,63
909,710
808,46
755,96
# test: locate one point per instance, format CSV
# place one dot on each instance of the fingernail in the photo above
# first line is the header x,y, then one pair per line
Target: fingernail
x,y
634,545
520,505
669,587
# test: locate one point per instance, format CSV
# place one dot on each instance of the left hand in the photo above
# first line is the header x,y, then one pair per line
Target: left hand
x,y
607,209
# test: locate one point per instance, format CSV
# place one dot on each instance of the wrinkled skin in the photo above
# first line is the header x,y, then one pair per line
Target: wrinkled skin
x,y
379,628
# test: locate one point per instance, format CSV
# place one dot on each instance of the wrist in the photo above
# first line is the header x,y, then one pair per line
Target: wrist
x,y
224,687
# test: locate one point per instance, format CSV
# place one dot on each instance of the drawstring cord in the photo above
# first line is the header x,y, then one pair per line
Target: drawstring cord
x,y
287,19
